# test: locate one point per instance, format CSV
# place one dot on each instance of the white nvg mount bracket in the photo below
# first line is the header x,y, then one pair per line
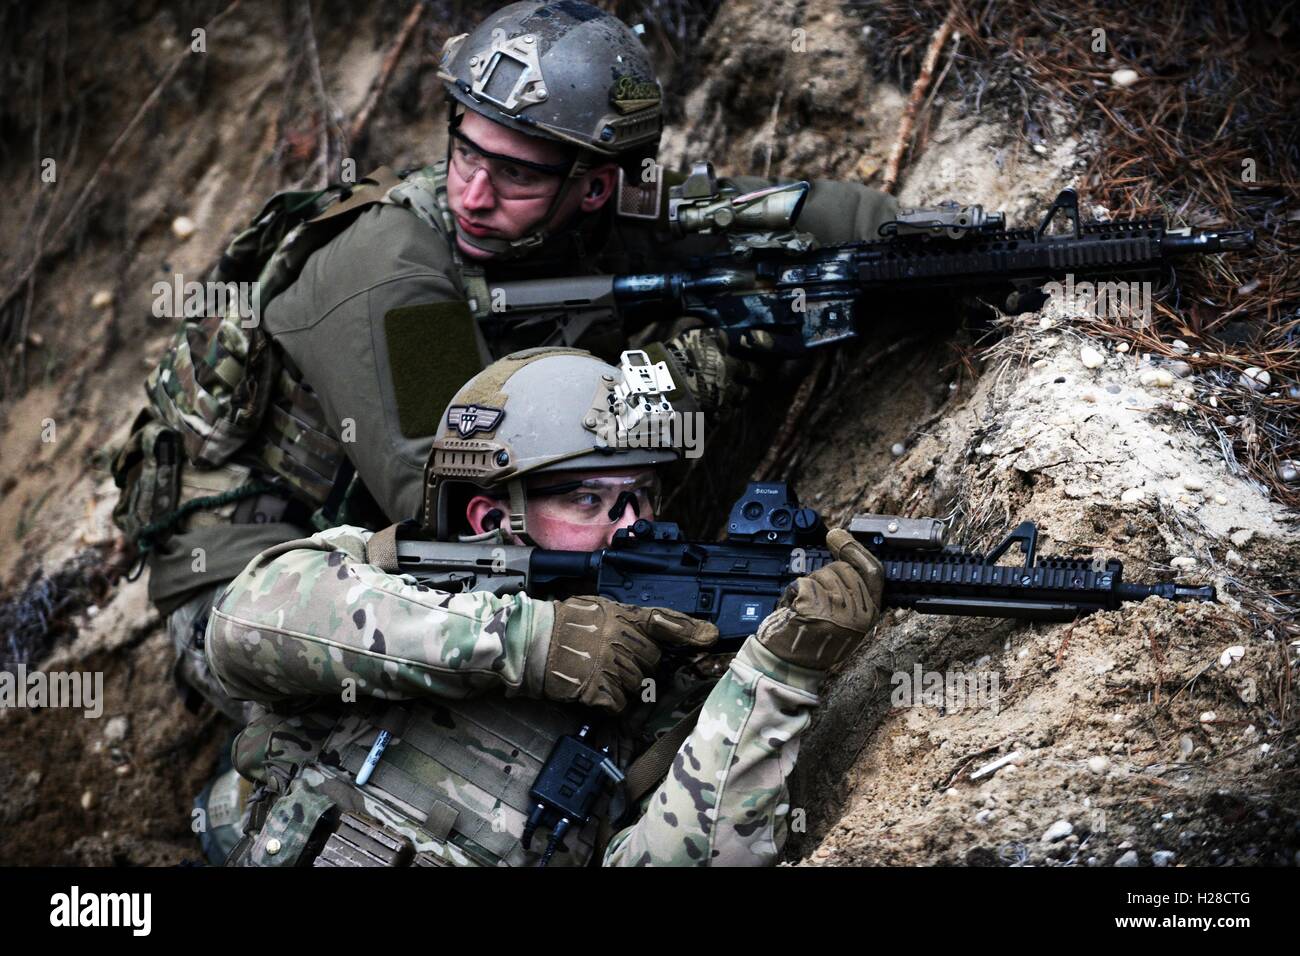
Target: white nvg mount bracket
x,y
641,394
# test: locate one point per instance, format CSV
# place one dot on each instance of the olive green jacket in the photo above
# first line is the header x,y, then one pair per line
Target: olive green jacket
x,y
378,326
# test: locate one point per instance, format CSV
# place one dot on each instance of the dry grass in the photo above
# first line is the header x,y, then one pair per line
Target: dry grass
x,y
1217,86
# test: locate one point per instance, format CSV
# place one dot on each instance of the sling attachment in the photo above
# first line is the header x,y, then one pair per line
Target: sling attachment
x,y
326,516
381,549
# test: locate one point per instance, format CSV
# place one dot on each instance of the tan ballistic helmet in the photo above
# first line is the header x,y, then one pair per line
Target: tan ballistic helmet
x,y
542,410
562,70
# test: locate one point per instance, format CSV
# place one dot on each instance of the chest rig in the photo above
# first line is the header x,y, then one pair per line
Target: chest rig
x,y
454,787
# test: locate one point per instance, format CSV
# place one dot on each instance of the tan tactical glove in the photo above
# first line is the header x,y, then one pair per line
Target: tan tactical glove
x,y
702,363
601,650
822,617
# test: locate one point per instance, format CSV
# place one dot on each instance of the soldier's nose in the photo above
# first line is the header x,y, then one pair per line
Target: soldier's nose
x,y
478,191
626,520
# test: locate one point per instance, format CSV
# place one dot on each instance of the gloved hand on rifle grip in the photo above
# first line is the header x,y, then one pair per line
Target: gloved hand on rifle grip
x,y
601,650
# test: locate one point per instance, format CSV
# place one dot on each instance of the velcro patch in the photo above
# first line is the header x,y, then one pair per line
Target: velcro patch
x,y
432,352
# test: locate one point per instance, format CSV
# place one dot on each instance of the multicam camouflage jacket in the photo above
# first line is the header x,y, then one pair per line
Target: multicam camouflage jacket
x,y
340,650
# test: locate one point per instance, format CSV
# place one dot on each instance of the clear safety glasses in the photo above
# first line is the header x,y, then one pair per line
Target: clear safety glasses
x,y
511,178
598,501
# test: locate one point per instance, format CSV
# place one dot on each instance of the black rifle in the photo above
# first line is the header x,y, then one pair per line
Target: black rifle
x,y
775,281
771,541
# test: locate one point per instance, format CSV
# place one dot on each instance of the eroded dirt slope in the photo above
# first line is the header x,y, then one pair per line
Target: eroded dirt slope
x,y
1127,726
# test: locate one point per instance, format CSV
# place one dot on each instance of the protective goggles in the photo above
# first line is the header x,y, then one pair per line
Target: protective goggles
x,y
598,501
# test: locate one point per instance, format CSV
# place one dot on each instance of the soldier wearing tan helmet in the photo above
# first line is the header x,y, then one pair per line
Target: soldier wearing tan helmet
x,y
472,690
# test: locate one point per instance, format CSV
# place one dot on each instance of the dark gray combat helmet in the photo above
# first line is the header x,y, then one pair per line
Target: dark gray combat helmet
x,y
563,70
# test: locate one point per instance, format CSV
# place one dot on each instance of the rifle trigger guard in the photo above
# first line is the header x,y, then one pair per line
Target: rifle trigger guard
x,y
1027,534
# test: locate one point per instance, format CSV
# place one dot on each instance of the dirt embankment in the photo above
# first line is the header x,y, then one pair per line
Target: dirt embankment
x,y
1158,728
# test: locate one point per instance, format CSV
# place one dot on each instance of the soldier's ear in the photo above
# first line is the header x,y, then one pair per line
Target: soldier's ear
x,y
483,514
600,187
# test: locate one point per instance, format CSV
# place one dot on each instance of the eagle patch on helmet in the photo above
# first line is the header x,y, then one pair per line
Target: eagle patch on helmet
x,y
468,419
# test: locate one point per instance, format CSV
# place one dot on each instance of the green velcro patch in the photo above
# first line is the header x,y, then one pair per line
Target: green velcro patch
x,y
432,353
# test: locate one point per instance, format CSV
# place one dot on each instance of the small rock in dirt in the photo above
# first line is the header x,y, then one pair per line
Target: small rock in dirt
x,y
1289,471
1133,495
33,779
897,449
1234,653
1163,857
183,227
101,299
1256,378
1058,831
1248,691
1122,347
87,800
1209,717
1091,358
1124,78
1186,745
1241,537
1179,369
1183,563
1098,764
983,817
1179,345
122,770
115,730
1128,859
1220,500
1156,378
1193,482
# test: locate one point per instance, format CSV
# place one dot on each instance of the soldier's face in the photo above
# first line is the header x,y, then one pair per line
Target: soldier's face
x,y
578,510
491,199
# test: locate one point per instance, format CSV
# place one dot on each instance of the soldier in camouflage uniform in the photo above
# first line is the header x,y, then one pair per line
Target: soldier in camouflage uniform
x,y
324,412
475,688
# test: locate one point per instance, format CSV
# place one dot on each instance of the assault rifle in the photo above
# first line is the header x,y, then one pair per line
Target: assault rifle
x,y
773,278
770,542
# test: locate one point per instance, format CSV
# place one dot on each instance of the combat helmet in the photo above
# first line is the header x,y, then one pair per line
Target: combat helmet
x,y
565,71
543,410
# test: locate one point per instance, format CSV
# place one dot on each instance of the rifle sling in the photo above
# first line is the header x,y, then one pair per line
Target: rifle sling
x,y
653,765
